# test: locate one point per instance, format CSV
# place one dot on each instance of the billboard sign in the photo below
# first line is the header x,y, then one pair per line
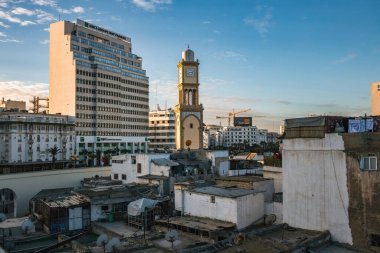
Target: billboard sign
x,y
243,121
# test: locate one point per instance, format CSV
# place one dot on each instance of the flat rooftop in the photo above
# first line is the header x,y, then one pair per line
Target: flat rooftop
x,y
223,192
245,178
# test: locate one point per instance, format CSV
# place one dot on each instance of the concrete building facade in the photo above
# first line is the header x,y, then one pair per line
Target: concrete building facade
x,y
27,137
243,135
331,179
162,130
375,98
95,77
7,105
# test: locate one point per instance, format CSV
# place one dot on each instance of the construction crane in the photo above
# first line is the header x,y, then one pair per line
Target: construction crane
x,y
231,115
36,105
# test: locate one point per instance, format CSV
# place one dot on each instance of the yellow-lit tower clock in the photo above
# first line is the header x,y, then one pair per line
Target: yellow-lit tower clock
x,y
189,112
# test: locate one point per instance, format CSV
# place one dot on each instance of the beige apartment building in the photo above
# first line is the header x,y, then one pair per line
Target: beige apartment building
x,y
162,130
375,98
95,77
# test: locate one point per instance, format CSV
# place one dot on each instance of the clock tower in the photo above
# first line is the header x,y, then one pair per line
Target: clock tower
x,y
189,112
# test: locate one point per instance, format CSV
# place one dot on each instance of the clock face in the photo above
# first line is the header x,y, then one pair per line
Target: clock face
x,y
190,72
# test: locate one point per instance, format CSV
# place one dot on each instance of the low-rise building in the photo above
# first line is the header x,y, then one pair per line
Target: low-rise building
x,y
240,206
61,210
28,137
12,105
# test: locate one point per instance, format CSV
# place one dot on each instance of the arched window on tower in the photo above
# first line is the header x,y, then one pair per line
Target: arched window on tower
x,y
195,97
190,97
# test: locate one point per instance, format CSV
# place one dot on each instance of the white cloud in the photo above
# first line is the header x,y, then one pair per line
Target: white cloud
x,y
151,5
346,58
4,25
26,23
9,18
22,11
3,4
47,29
44,42
11,41
217,32
262,23
231,54
206,22
21,90
51,3
2,34
44,17
78,9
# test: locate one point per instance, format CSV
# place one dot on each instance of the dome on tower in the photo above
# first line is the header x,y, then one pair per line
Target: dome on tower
x,y
188,55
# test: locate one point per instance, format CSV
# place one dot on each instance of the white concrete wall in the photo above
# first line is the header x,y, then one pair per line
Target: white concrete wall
x,y
200,205
217,161
315,185
276,174
267,186
275,208
250,208
242,211
26,185
147,167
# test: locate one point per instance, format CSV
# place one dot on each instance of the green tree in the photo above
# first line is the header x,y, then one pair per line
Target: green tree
x,y
54,151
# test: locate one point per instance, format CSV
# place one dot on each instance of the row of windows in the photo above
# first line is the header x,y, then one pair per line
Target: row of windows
x,y
110,109
35,127
106,84
110,125
162,122
161,140
112,77
107,133
107,42
110,69
161,134
116,176
119,87
104,47
109,62
109,117
110,93
161,127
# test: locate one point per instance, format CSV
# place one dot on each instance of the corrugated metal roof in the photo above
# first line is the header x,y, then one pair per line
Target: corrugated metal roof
x,y
63,199
164,162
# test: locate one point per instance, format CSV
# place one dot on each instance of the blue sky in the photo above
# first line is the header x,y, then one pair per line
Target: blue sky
x,y
282,59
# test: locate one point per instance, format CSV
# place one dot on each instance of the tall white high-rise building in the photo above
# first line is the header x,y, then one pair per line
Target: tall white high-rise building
x,y
95,77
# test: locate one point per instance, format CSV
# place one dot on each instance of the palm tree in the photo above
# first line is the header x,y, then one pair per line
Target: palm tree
x,y
85,154
54,151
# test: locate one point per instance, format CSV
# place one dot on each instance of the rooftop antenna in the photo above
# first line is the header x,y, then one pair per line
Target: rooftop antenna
x,y
59,17
156,96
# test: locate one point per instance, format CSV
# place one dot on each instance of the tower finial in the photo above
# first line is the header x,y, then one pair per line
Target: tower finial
x,y
188,45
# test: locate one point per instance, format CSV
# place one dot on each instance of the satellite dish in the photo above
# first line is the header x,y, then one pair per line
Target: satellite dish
x,y
3,217
28,226
171,236
112,244
102,240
